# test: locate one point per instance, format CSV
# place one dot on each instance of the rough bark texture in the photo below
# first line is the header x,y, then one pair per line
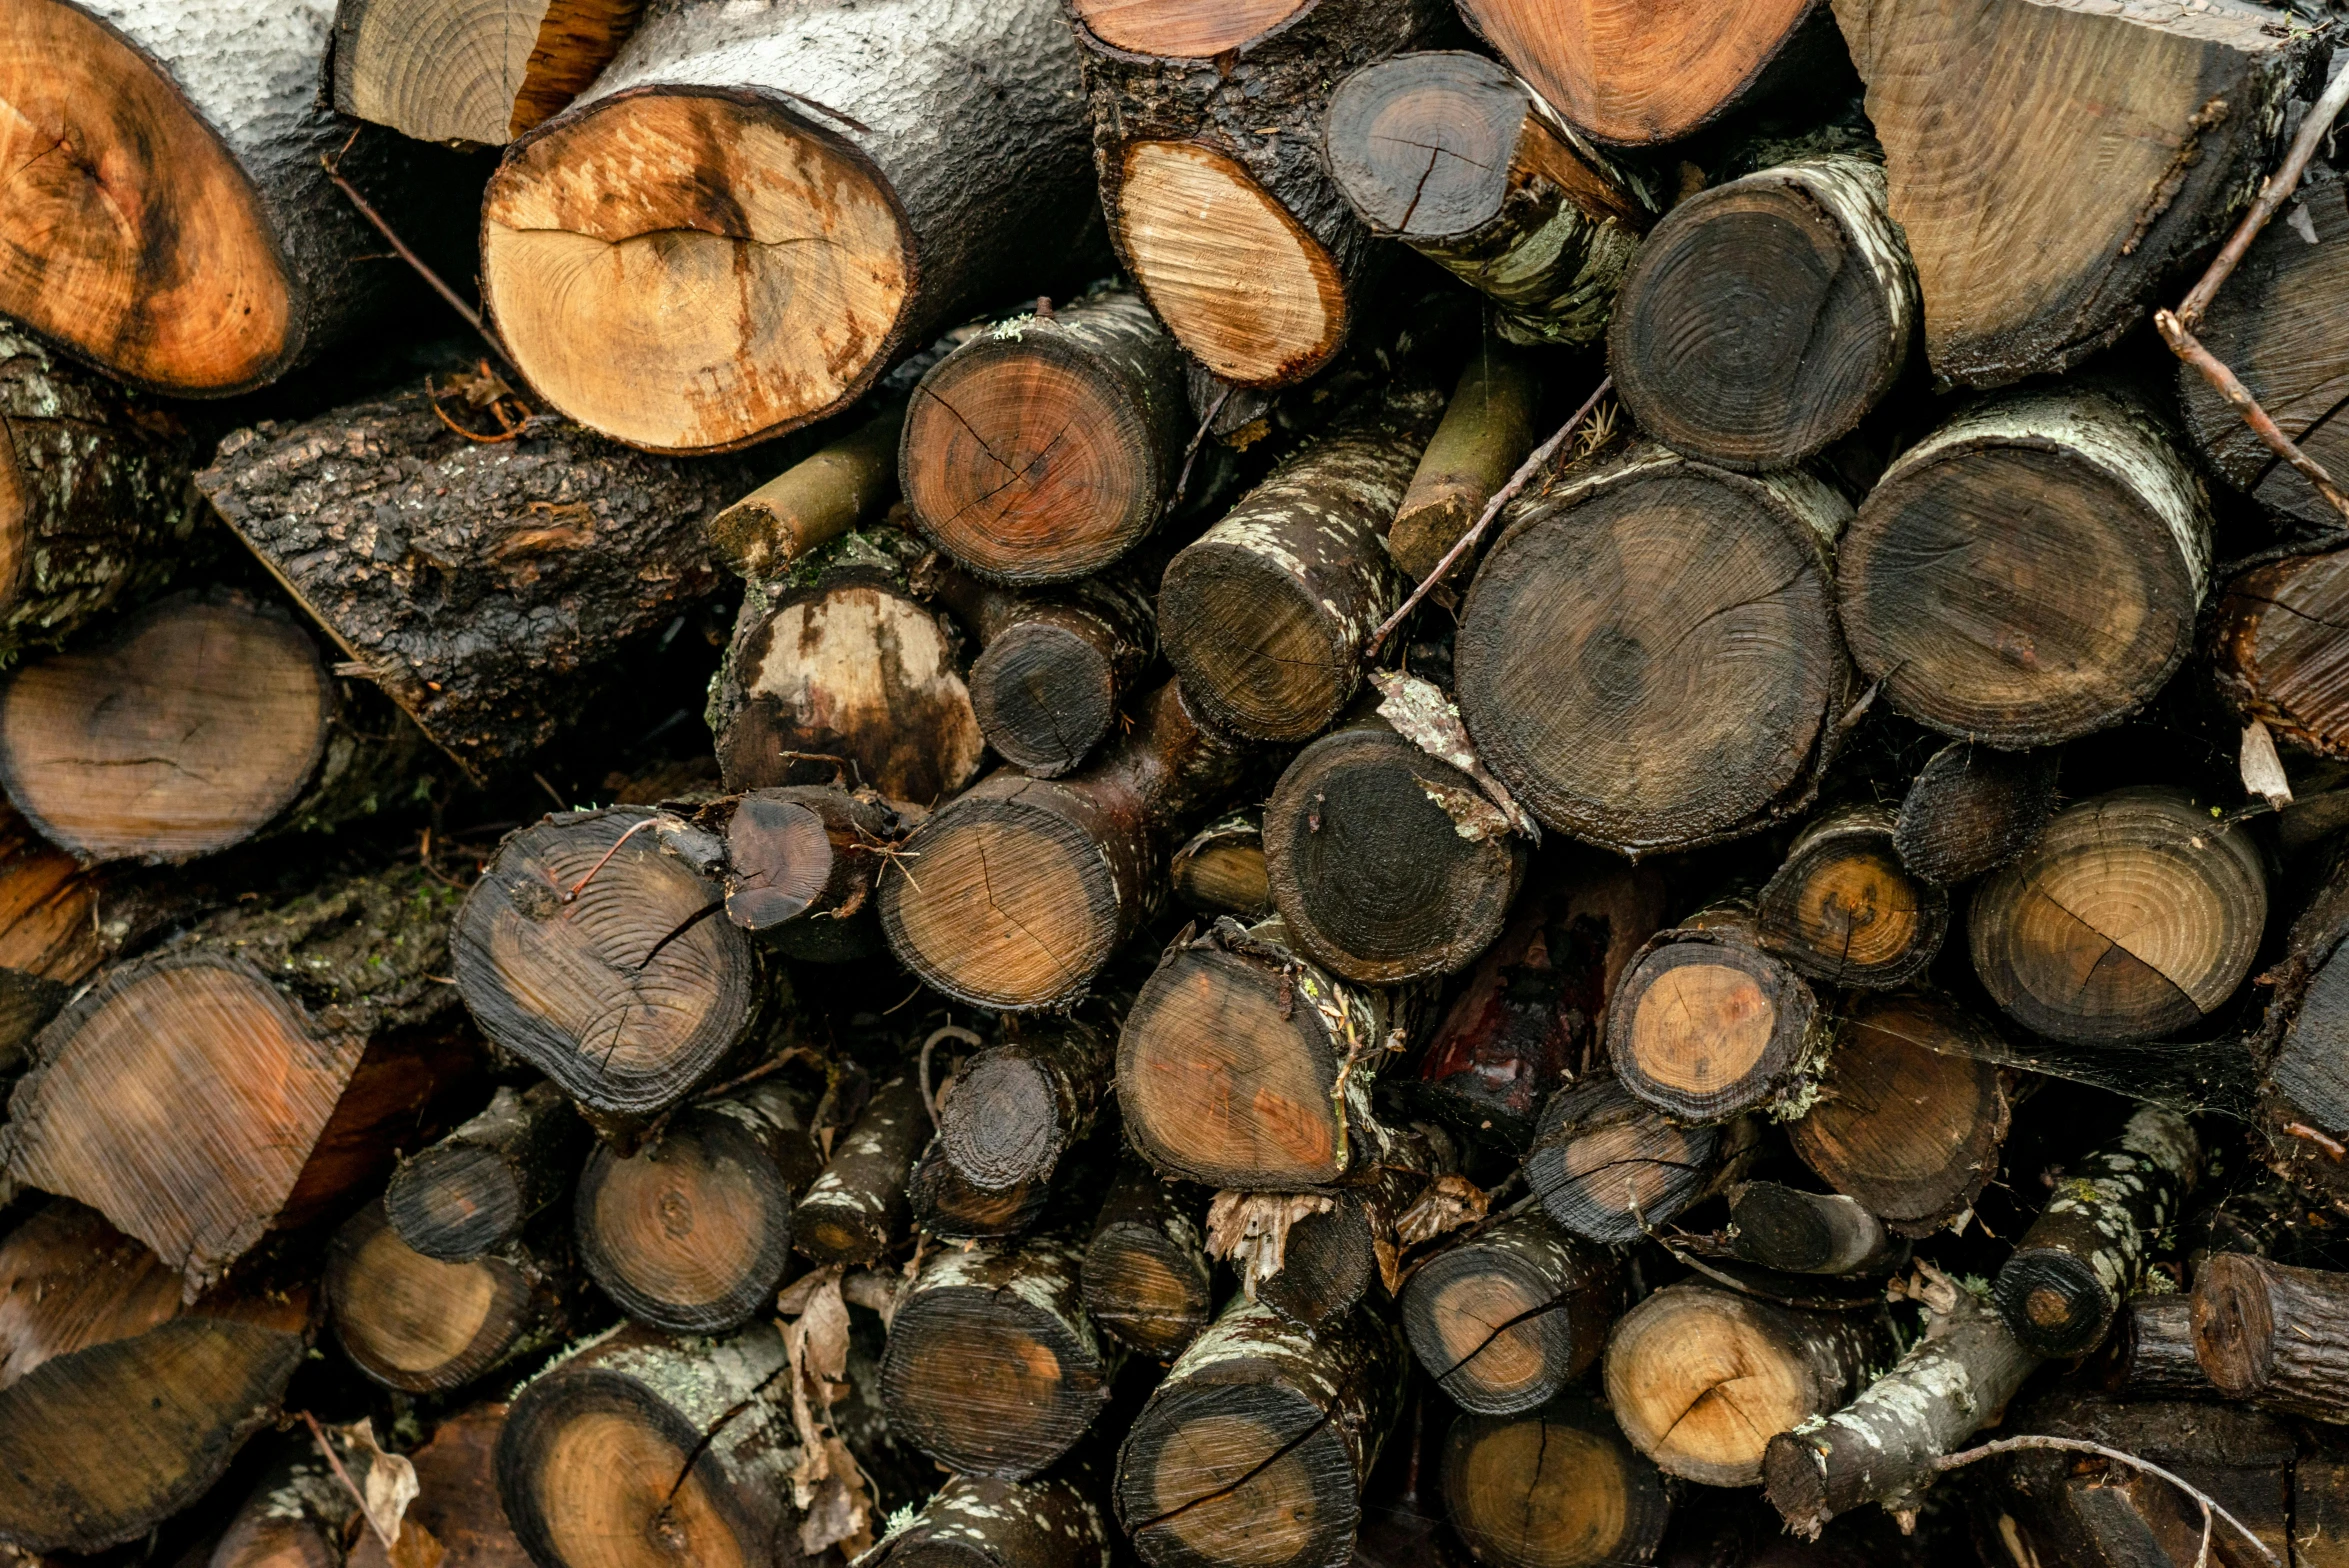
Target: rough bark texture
x,y
1050,1522
476,1189
2274,1334
1506,1318
2275,651
2153,1351
2302,1084
1021,1104
418,1325
1798,1232
457,1498
1145,1273
1609,1166
856,1207
1972,810
1220,869
1843,908
479,71
948,1208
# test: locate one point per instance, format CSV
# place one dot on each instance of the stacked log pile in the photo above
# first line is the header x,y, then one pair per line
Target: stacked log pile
x,y
1561,783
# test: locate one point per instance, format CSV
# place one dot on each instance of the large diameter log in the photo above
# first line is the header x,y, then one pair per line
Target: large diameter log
x,y
1504,1320
419,1325
1648,657
464,71
1843,908
1971,810
2014,285
2275,652
1764,318
1707,1024
1261,1440
982,1522
2272,1334
1796,1232
1554,1488
855,1209
1145,1274
811,503
475,1190
1025,886
2031,570
2134,916
845,214
1022,1103
1608,1166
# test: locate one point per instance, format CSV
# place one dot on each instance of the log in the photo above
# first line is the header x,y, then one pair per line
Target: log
x,y
993,1369
1972,810
693,1231
51,938
1912,1113
1796,1232
1451,154
846,484
1843,908
470,71
422,1326
2272,1334
1647,658
983,1522
1702,1378
1220,869
1764,318
1090,851
2012,285
2153,1351
1506,1318
250,1073
2086,1252
2130,919
945,1207
487,588
2273,648
1261,1440
299,1514
2303,1098
1555,1488
1346,1247
801,862
198,723
1266,615
476,1189
1608,1165
456,1498
1486,434
1021,1104
1707,1025
1145,1278
855,1209
2020,633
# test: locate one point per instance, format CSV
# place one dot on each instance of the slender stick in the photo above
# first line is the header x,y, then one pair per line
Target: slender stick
x,y
455,301
2069,1445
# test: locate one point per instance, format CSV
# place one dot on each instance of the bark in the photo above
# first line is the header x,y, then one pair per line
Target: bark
x,y
1145,1276
1554,1488
1021,1104
2273,1334
1350,1251
947,1207
1505,1319
1220,869
475,1190
1707,1025
421,1326
1608,1166
1844,909
2153,1351
1050,1522
1972,810
298,1515
855,1209
1486,434
1798,1232
845,485
2301,1084
801,862
470,71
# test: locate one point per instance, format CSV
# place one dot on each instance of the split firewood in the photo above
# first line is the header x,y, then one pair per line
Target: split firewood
x,y
1021,1104
1972,810
1707,1024
801,862
2274,651
1506,1319
1556,1487
855,1209
1052,1521
905,197
1145,1276
946,1206
1485,437
846,484
1608,1166
1796,1232
2152,1355
456,1500
1220,869
463,71
1843,907
419,1325
2269,1333
475,1190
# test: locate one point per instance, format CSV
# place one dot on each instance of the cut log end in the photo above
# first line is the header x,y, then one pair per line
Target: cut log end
x,y
1422,144
1296,1500
2234,1324
1709,1025
1972,810
1843,908
691,1233
414,1323
479,71
1556,1489
1045,694
465,1198
1186,29
782,860
1258,652
2053,1301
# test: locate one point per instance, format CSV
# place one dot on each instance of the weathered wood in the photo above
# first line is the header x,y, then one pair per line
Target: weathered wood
x,y
1797,1232
801,861
948,1208
850,482
1504,1320
2274,651
1707,1024
1348,1251
982,1522
1608,1165
1554,1488
1972,810
419,1325
1145,1276
2274,1334
475,1190
1843,908
479,71
1220,869
1021,1104
51,936
855,1209
2152,1354
1486,434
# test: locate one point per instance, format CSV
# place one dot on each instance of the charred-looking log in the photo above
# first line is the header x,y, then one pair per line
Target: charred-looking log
x,y
251,1073
474,582
1842,907
692,1232
770,531
993,1367
1910,1117
476,1189
1048,448
1530,1016
1506,1319
1702,1378
1145,1274
1265,615
2134,916
1764,318
419,1325
2270,1333
457,1497
1261,1440
945,1207
856,1207
1486,432
2031,570
1797,1232
2276,652
1387,863
1027,886
1022,1103
1624,73
1972,810
800,865
199,723
1648,658
2013,287
1220,869
1449,153
479,71
980,1522
1556,1488
1707,1024
1608,1166
96,1349
2085,1253
641,1449
587,950
2153,1351
1881,1447
847,212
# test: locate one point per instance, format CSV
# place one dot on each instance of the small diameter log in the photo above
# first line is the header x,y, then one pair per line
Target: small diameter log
x,y
475,1190
638,1449
801,862
1702,1378
1843,908
299,1514
904,198
2273,1334
2275,650
1261,1441
1486,433
1027,886
196,724
1048,448
2013,287
1972,810
418,1325
1145,1274
457,1497
1021,1104
1764,318
1220,869
1346,1247
587,950
855,1209
692,1232
947,1208
251,1073
993,1368
50,935
1608,1166
2086,1252
1911,1113
1881,1447
476,583
1504,1320
1648,657
1797,1232
2134,916
1265,616
1387,863
1707,1024
2153,1351
982,1522
1555,1488
2030,571
469,71
1451,154
767,533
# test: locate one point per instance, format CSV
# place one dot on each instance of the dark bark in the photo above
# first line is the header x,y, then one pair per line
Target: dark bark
x,y
1973,810
1609,1166
1053,1521
418,1325
1506,1318
855,1209
1843,908
1021,1104
2152,1354
475,1190
299,1515
1797,1232
1145,1273
2302,1085
2274,1335
457,1497
946,1207
1706,1025
2273,648
801,862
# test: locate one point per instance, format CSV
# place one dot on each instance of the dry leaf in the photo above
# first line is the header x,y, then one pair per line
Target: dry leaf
x,y
1252,1229
1449,1203
831,1491
1424,716
387,1482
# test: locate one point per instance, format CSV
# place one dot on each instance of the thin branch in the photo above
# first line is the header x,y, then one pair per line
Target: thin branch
x,y
945,1032
455,301
334,1462
2224,381
1191,452
2073,1445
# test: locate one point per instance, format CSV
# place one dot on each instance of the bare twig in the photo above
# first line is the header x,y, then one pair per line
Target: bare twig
x,y
580,886
2073,1445
1191,452
943,1032
334,1462
456,301
2225,382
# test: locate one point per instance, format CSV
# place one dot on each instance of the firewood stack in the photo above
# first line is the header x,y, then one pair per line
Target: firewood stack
x,y
1337,782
